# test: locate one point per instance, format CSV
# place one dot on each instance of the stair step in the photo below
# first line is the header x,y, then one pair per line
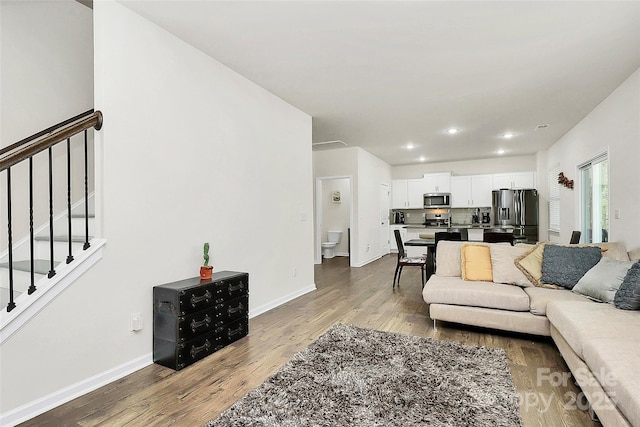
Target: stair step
x,y
4,297
82,216
41,266
75,239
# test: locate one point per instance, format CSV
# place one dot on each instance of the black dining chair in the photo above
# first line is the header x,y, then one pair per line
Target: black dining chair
x,y
403,261
497,237
455,236
575,237
464,233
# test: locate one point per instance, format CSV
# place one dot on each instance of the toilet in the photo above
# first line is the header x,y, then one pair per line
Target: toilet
x,y
329,248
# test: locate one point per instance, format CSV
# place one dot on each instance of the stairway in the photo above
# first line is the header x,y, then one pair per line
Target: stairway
x,y
42,263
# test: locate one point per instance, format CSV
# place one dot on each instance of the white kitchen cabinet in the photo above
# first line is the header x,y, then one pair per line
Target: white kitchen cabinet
x,y
415,191
409,193
471,191
514,180
437,182
399,197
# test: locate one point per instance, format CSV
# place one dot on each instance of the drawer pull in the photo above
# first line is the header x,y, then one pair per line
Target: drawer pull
x,y
165,306
204,322
232,332
196,300
236,288
237,309
195,350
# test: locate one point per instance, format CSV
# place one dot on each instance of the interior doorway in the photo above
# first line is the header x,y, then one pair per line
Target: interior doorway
x,y
334,210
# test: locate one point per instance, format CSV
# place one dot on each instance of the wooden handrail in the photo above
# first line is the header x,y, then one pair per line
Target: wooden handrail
x,y
94,120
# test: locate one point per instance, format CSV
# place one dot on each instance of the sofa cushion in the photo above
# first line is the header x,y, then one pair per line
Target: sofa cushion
x,y
503,265
615,250
448,263
628,295
455,291
578,322
614,362
540,297
603,281
565,265
476,262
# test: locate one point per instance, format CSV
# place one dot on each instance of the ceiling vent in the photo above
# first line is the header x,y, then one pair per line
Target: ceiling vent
x,y
542,127
328,145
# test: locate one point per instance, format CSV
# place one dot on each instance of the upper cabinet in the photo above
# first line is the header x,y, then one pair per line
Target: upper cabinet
x,y
471,191
408,193
514,180
437,182
399,197
466,190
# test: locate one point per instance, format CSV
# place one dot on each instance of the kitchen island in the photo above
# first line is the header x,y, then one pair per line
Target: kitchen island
x,y
415,231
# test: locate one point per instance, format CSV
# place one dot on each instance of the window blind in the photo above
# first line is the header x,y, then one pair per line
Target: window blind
x,y
554,199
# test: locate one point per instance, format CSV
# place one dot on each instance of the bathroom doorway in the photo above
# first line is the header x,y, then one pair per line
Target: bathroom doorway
x,y
334,207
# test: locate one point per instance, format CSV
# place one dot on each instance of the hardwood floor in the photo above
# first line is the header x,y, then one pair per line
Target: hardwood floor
x,y
158,396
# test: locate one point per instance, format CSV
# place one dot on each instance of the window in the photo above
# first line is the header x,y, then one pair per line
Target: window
x,y
594,200
554,199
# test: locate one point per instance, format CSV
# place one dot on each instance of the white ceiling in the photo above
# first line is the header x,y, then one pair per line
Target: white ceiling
x,y
381,74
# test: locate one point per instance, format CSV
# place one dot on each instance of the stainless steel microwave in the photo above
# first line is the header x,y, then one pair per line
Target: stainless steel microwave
x,y
437,200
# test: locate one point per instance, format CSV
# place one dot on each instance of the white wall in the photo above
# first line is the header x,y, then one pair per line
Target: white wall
x,y
336,216
46,76
468,167
371,173
368,173
190,152
614,125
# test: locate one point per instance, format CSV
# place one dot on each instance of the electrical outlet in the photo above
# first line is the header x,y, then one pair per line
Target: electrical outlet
x,y
136,322
295,272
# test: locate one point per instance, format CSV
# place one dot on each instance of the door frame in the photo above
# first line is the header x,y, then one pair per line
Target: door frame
x,y
318,216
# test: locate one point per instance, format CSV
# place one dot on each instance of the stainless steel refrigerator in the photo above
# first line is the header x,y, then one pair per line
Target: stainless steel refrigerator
x,y
519,209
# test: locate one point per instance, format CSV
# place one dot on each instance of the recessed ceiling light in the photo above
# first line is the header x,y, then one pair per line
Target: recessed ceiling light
x,y
452,131
508,135
422,158
501,151
410,146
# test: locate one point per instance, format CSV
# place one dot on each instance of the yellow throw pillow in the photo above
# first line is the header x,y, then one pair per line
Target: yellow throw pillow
x,y
476,262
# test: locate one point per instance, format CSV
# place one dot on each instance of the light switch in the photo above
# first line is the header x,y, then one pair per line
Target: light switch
x,y
616,214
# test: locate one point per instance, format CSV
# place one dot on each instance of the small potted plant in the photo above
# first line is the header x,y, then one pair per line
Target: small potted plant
x,y
206,270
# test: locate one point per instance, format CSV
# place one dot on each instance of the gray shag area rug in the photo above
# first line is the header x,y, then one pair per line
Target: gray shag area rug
x,y
360,377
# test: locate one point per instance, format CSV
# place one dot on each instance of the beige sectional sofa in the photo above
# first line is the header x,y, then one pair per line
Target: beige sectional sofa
x,y
600,343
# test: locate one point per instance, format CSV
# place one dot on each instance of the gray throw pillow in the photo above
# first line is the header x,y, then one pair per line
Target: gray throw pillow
x,y
565,265
602,282
628,295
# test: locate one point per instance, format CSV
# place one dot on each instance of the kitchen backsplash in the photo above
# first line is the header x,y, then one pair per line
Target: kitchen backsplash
x,y
463,215
458,215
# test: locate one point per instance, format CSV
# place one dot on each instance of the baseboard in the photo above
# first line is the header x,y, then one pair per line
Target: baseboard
x,y
342,253
273,304
367,261
57,398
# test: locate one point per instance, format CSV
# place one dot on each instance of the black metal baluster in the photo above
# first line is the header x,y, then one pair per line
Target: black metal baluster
x,y
11,304
32,287
70,255
52,272
86,194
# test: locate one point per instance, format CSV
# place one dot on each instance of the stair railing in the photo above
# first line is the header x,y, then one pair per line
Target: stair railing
x,y
25,150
